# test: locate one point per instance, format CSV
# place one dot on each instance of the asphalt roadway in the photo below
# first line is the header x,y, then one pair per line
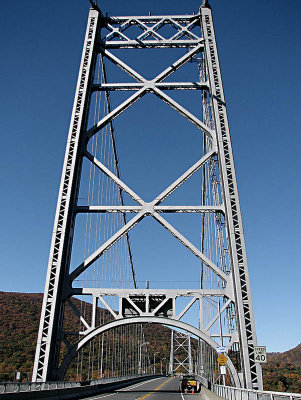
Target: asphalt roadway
x,y
165,388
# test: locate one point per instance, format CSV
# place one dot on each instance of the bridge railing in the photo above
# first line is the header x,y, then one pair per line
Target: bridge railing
x,y
8,387
233,393
203,380
13,387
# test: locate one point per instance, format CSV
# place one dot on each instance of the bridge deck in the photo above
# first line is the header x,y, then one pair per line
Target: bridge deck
x,y
164,388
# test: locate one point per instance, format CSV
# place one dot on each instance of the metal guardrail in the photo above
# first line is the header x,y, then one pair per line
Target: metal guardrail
x,y
13,387
233,393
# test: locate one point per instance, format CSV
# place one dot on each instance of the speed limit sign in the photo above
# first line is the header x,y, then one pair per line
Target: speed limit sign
x,y
260,354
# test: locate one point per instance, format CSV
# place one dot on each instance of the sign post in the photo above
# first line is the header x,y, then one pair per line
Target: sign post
x,y
222,359
223,370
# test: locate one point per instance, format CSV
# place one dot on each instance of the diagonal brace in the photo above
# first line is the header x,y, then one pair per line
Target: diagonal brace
x,y
183,312
77,313
190,246
108,307
218,314
114,178
109,243
183,178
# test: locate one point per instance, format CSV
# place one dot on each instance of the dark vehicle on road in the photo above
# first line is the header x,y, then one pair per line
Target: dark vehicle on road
x,y
189,383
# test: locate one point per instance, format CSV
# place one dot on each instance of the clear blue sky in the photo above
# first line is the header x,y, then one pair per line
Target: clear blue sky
x,y
259,49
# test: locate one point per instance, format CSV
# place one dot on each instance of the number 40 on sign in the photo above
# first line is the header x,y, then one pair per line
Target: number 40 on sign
x,y
260,354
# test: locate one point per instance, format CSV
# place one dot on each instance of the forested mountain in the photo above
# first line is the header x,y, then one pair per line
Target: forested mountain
x,y
283,371
19,322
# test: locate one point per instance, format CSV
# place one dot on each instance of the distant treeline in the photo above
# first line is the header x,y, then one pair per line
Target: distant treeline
x,y
19,322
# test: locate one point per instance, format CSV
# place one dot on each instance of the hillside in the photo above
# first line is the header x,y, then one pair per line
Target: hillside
x,y
283,371
19,322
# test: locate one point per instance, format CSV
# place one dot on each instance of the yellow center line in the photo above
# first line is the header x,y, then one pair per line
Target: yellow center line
x,y
157,388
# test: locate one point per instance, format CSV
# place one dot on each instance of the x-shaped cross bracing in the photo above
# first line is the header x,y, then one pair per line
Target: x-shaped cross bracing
x,y
150,208
155,85
152,30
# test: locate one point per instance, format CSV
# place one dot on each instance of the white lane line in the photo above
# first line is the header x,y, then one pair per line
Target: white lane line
x,y
131,387
182,396
143,383
100,397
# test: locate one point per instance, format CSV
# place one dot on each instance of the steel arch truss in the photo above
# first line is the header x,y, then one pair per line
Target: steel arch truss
x,y
138,320
148,305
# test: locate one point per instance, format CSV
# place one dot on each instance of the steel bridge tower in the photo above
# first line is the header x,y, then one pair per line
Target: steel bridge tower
x,y
230,322
180,353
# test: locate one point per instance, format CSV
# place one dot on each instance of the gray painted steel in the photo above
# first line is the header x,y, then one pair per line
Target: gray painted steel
x,y
180,342
229,393
145,319
48,344
235,284
67,390
244,308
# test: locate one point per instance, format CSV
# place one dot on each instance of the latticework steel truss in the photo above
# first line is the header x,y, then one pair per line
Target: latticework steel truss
x,y
224,281
180,353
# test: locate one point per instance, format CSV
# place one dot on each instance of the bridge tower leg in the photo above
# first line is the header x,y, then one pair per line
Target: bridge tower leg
x,y
252,375
51,322
195,36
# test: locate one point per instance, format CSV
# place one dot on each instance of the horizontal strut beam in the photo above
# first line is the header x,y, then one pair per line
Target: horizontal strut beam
x,y
159,85
159,209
